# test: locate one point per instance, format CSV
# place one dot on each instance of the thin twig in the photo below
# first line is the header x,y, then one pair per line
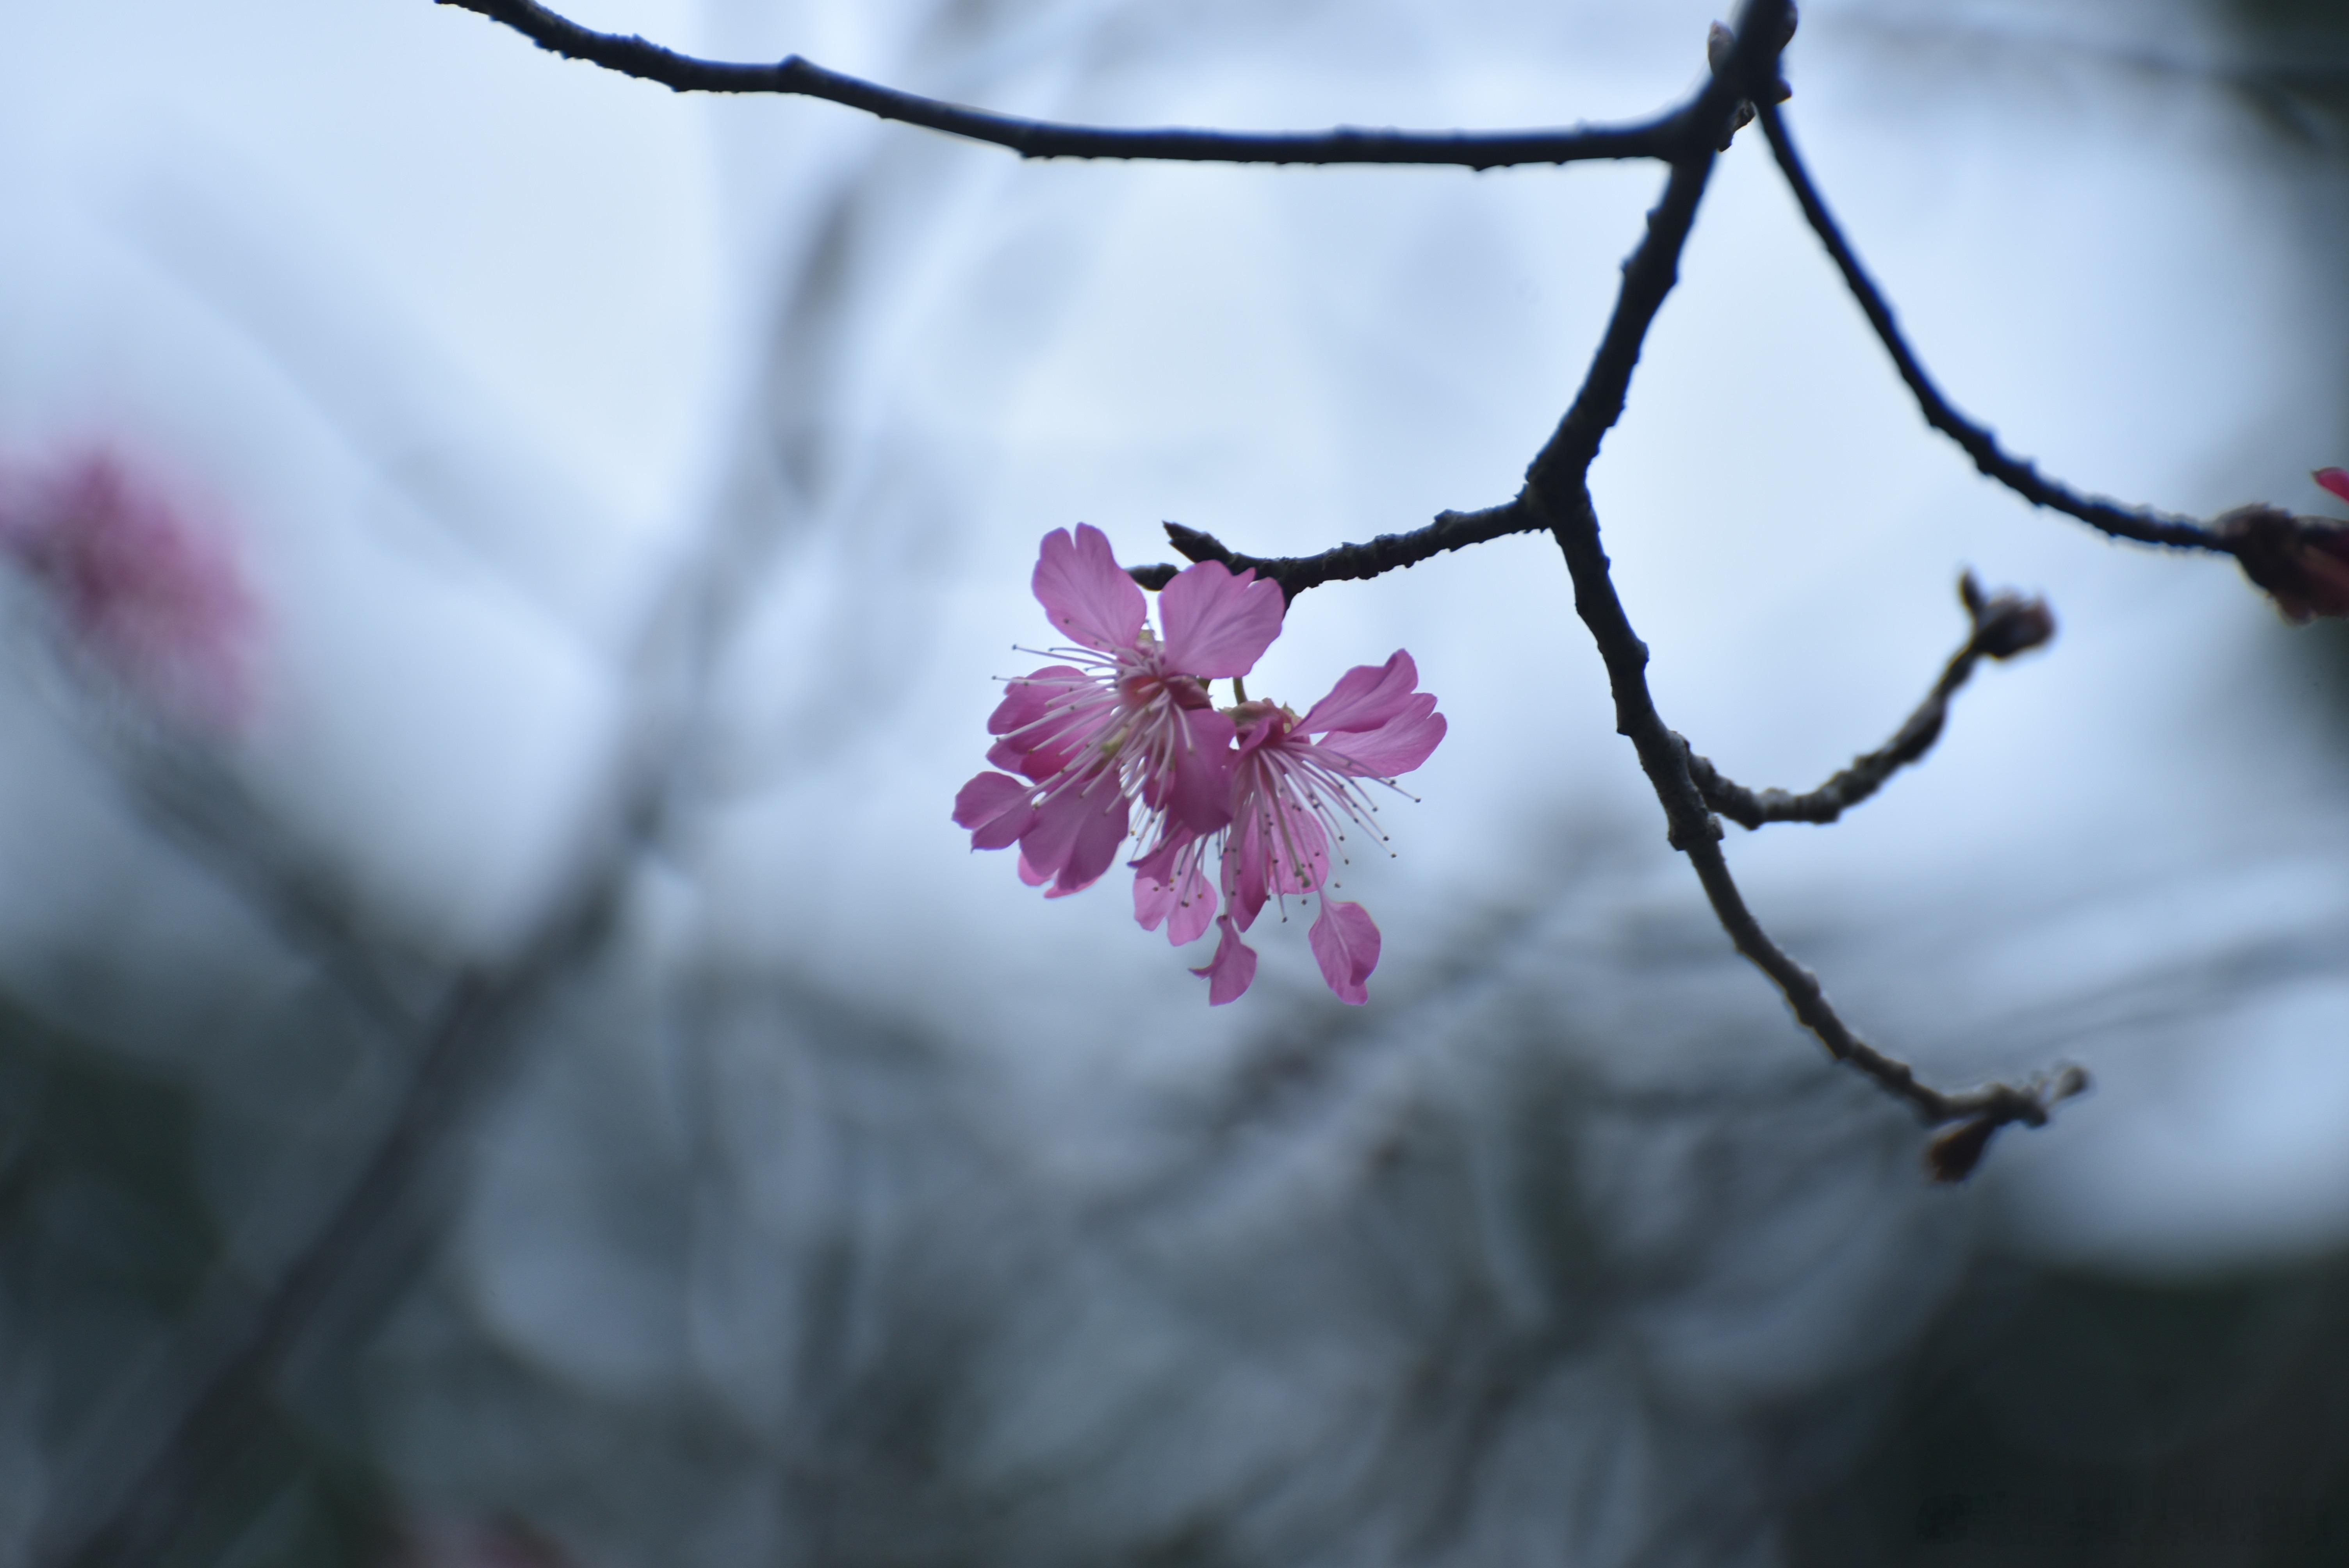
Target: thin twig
x,y
1348,562
1658,138
2142,524
2005,624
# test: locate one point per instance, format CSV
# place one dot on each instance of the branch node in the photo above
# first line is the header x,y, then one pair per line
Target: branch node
x,y
2303,563
1951,1156
2005,623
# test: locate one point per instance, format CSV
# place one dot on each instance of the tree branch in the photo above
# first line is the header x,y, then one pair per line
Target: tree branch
x,y
1348,562
1693,829
1658,138
2005,624
2144,525
1556,487
1557,497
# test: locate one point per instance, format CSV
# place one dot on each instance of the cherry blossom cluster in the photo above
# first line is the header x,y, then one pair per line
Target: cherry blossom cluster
x,y
1123,742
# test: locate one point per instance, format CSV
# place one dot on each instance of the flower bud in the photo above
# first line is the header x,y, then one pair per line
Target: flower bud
x,y
2005,623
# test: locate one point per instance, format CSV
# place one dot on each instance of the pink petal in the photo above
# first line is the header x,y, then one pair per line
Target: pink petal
x,y
1375,722
1170,885
1046,719
1028,701
1085,593
1346,943
1278,848
1194,907
1154,894
1075,836
996,808
1232,970
1218,624
1395,747
1198,794
1101,834
1365,697
1243,873
1297,852
2334,479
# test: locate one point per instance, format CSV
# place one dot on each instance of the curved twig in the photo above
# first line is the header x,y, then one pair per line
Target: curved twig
x,y
1658,138
2005,624
2142,524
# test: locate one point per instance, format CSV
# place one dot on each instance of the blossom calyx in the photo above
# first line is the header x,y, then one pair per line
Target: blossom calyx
x,y
1720,44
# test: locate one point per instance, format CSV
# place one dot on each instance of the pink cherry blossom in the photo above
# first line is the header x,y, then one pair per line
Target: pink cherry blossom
x,y
1126,721
139,582
1265,796
1293,798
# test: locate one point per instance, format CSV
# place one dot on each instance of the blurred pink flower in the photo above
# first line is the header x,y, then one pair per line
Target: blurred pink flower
x,y
155,595
2334,479
1126,720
